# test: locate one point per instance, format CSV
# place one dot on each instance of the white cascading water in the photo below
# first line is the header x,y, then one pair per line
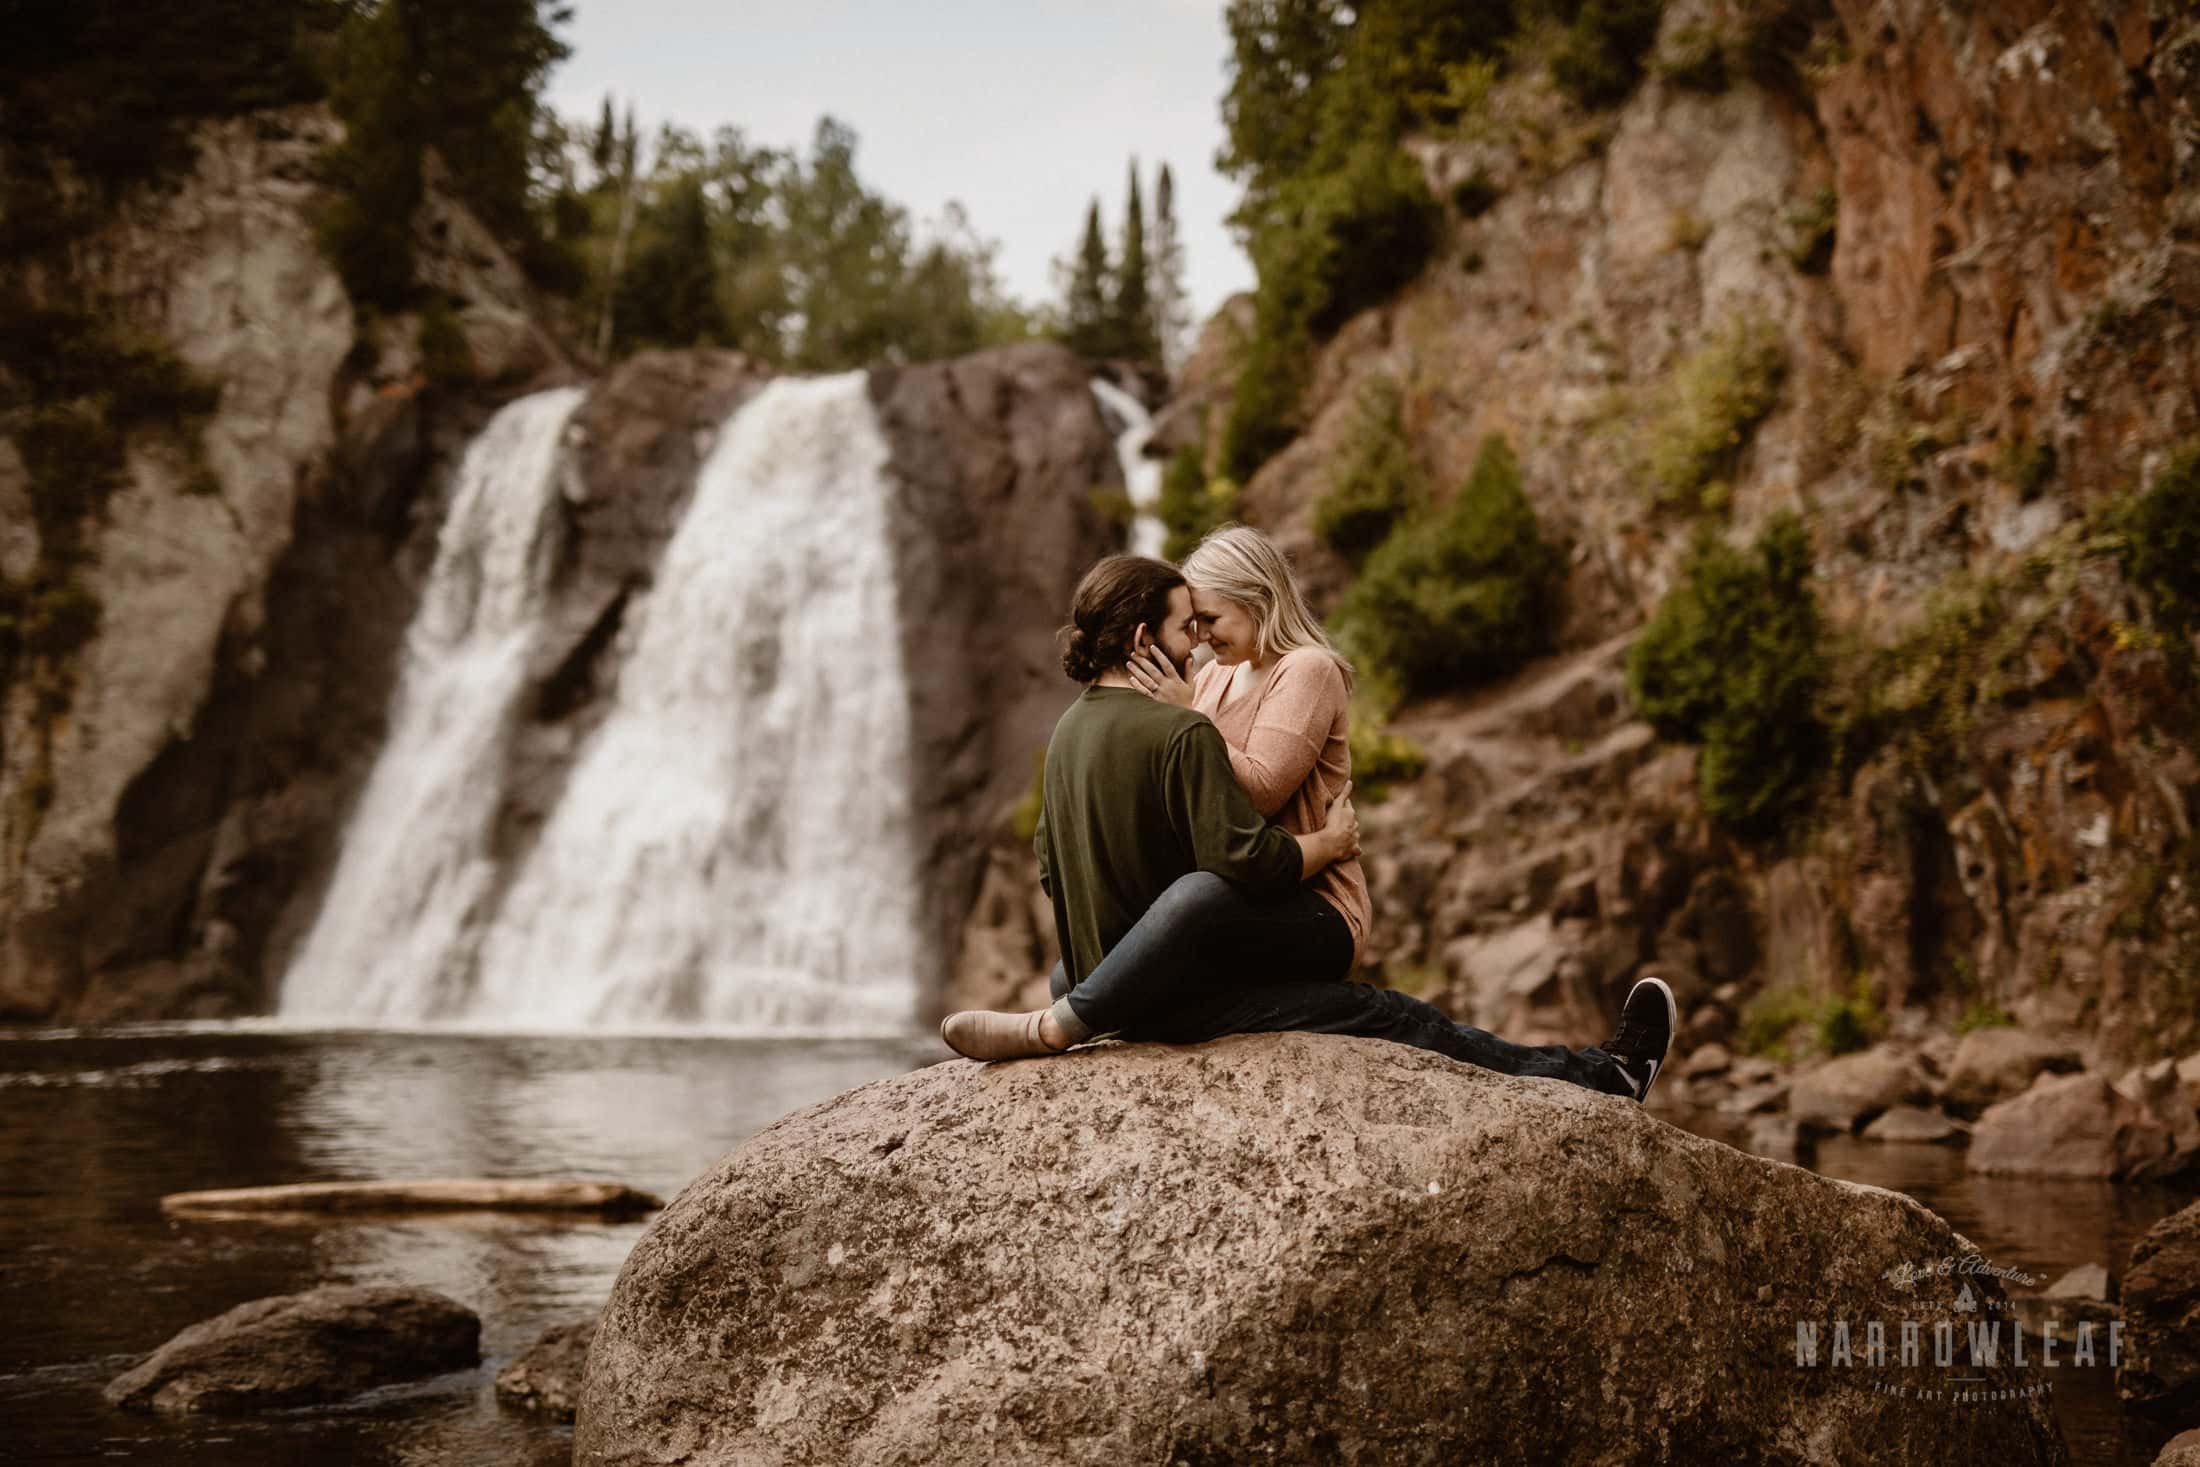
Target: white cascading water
x,y
1141,475
734,845
414,867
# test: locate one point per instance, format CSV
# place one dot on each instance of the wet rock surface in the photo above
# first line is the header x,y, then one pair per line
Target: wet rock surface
x,y
299,1349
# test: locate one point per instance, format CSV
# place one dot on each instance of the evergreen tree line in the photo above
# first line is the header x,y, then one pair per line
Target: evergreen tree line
x,y
785,254
1133,306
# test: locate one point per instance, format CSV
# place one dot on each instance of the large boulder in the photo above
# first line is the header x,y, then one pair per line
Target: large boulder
x,y
298,1349
2160,1373
2080,1126
1269,1247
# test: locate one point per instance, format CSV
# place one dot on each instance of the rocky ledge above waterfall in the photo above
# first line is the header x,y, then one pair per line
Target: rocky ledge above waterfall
x,y
1275,1247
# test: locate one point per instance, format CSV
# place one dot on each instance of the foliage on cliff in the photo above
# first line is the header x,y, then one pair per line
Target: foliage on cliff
x,y
1459,594
1335,215
1733,659
109,86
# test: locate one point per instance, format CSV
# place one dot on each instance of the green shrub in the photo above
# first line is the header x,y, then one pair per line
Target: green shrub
x,y
1601,57
1374,482
1770,1019
1695,58
2026,465
1458,594
1849,1022
1380,758
1984,1014
1191,504
1113,504
1716,398
445,357
1775,1020
1811,232
2161,541
1732,659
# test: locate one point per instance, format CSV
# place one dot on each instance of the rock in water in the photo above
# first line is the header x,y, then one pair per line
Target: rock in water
x,y
547,1378
297,1349
2161,1300
1270,1247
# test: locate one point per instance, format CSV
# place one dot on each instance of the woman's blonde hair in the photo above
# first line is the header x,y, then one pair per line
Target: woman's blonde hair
x,y
1241,564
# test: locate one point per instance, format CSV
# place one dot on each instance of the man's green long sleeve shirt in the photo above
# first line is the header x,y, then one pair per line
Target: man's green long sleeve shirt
x,y
1137,793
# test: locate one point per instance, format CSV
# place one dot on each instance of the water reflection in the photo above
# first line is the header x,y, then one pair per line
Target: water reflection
x,y
100,1126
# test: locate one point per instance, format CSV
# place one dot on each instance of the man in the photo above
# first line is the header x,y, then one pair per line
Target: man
x,y
1178,907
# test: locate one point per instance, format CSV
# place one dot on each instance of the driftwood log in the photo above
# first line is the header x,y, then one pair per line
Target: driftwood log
x,y
443,1194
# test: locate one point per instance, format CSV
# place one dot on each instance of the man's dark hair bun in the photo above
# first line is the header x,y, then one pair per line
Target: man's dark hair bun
x,y
1077,655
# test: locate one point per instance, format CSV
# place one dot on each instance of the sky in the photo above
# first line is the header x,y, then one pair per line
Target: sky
x,y
1023,110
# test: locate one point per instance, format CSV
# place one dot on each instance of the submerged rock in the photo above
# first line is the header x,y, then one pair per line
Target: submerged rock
x,y
1913,1125
2078,1297
547,1377
299,1349
1269,1247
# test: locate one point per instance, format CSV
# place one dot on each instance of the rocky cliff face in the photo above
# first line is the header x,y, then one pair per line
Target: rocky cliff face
x,y
2001,345
203,747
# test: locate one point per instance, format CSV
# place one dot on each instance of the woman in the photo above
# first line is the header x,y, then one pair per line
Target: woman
x,y
1279,694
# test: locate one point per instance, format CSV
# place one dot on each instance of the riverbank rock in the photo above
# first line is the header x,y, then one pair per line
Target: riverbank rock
x,y
1844,1093
547,1377
2079,1126
1910,1125
299,1349
2161,1303
1269,1247
1994,1064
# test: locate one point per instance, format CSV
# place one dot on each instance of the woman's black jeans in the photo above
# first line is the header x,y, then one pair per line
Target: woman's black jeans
x,y
1208,959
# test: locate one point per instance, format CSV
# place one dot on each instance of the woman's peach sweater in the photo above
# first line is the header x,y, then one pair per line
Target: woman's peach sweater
x,y
1289,748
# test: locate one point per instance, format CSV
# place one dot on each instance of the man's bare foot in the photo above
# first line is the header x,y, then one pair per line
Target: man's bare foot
x,y
986,1034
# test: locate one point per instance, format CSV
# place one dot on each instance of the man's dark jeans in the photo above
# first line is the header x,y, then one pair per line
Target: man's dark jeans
x,y
1207,959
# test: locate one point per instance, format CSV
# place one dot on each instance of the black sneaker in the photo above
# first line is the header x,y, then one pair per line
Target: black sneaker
x,y
1646,1023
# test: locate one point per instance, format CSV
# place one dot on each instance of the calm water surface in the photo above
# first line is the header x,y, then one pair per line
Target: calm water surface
x,y
98,1126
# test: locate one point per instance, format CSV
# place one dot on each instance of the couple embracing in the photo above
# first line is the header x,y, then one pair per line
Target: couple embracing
x,y
1198,842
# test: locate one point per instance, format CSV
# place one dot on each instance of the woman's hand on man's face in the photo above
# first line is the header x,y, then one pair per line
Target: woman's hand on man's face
x,y
1157,677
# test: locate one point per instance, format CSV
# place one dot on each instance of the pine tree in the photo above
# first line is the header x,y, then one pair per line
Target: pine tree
x,y
605,141
1172,312
1086,325
669,296
1131,312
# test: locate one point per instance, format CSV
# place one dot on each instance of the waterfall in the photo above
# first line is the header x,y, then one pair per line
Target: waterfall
x,y
1141,475
733,846
414,866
